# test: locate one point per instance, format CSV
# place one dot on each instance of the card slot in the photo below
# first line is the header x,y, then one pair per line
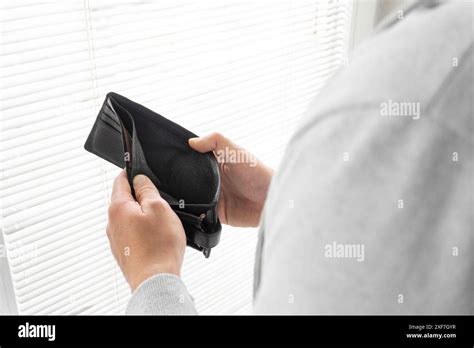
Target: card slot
x,y
110,118
113,126
110,113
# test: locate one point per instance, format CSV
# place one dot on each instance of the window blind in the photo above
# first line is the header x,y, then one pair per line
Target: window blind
x,y
247,69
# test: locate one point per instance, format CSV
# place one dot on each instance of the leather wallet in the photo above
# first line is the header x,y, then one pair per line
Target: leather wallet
x,y
129,135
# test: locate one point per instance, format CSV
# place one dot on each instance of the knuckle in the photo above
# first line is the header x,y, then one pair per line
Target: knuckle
x,y
134,215
114,209
217,136
144,191
158,204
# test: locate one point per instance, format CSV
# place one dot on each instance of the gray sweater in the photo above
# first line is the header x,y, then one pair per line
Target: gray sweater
x,y
371,211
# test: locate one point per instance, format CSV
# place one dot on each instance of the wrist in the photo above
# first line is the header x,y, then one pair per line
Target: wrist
x,y
140,275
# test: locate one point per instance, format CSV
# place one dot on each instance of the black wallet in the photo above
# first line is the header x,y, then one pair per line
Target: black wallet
x,y
144,142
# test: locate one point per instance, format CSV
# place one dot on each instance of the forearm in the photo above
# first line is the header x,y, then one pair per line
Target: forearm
x,y
162,294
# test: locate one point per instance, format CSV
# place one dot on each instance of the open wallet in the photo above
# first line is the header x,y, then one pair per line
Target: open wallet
x,y
143,142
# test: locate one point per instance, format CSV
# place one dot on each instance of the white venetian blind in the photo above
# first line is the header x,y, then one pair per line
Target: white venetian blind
x,y
245,68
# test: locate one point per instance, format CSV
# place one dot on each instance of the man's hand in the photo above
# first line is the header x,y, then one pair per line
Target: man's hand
x,y
244,180
145,235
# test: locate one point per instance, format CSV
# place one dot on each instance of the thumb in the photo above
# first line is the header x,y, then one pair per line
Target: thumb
x,y
145,190
211,142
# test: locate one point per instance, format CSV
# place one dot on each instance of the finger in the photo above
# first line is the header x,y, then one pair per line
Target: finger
x,y
121,189
145,191
209,142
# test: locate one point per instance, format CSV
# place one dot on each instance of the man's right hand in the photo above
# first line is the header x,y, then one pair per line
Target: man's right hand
x,y
244,185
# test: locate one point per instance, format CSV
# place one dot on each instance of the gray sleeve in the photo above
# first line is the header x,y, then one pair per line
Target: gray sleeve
x,y
162,294
371,212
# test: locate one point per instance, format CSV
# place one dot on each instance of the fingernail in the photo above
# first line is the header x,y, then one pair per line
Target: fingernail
x,y
139,180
